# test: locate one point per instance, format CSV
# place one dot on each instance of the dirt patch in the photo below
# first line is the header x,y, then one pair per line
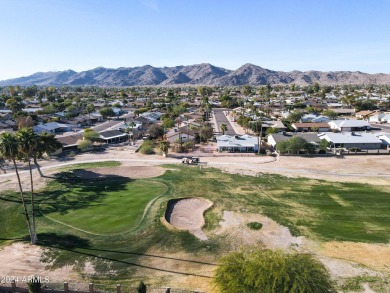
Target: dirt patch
x,y
136,172
21,260
375,256
187,214
275,236
271,235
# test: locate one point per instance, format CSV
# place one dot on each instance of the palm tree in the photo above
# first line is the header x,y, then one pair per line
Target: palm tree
x,y
9,150
46,143
259,133
164,147
223,128
129,129
27,142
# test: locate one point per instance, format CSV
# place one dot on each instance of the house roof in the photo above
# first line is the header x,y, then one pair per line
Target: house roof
x,y
309,137
69,140
341,111
109,134
52,126
311,125
236,141
350,123
351,137
365,113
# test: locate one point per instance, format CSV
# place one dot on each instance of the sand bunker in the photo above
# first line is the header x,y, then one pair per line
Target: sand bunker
x,y
187,214
135,172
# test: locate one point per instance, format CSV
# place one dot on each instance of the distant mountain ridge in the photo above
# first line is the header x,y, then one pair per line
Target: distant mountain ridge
x,y
198,74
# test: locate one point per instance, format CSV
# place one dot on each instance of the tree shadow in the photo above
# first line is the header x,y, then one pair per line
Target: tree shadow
x,y
79,189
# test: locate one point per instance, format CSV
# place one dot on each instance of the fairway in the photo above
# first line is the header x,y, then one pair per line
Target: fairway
x,y
107,207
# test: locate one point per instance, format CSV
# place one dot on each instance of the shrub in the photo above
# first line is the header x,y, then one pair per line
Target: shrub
x,y
141,287
85,145
147,147
255,225
34,285
271,271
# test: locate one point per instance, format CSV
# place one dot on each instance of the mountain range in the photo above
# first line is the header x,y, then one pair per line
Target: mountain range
x,y
199,74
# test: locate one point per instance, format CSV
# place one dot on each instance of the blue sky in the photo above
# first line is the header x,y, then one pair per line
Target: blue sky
x,y
51,35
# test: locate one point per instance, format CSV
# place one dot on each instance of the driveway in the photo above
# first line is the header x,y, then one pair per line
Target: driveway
x,y
220,118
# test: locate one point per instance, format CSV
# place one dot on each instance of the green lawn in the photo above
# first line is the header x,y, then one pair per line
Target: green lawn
x,y
91,165
102,208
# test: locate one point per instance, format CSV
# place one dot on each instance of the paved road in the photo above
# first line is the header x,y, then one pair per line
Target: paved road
x,y
220,118
383,127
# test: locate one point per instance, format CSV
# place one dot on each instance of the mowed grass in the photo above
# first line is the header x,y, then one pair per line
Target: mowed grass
x,y
102,207
91,165
12,223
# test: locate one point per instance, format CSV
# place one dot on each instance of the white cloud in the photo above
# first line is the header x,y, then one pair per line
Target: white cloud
x,y
152,4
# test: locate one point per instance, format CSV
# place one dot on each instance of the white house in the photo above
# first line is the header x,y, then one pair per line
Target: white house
x,y
366,141
380,118
237,143
52,127
321,119
385,138
349,125
308,117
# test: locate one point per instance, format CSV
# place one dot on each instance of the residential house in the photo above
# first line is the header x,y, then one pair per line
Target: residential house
x,y
70,142
237,143
113,136
176,137
343,111
365,114
347,140
385,138
349,125
275,138
380,118
321,119
52,127
320,126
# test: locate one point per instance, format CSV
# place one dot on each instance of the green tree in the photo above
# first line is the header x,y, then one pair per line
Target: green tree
x,y
91,135
9,150
141,287
106,112
164,147
330,113
27,143
85,145
168,123
247,90
90,108
206,132
295,116
156,131
272,272
14,105
272,130
223,128
47,143
324,144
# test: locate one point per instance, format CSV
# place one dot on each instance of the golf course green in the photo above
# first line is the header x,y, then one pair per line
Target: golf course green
x,y
107,207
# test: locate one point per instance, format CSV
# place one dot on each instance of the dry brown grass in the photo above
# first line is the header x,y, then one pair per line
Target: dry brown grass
x,y
375,256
